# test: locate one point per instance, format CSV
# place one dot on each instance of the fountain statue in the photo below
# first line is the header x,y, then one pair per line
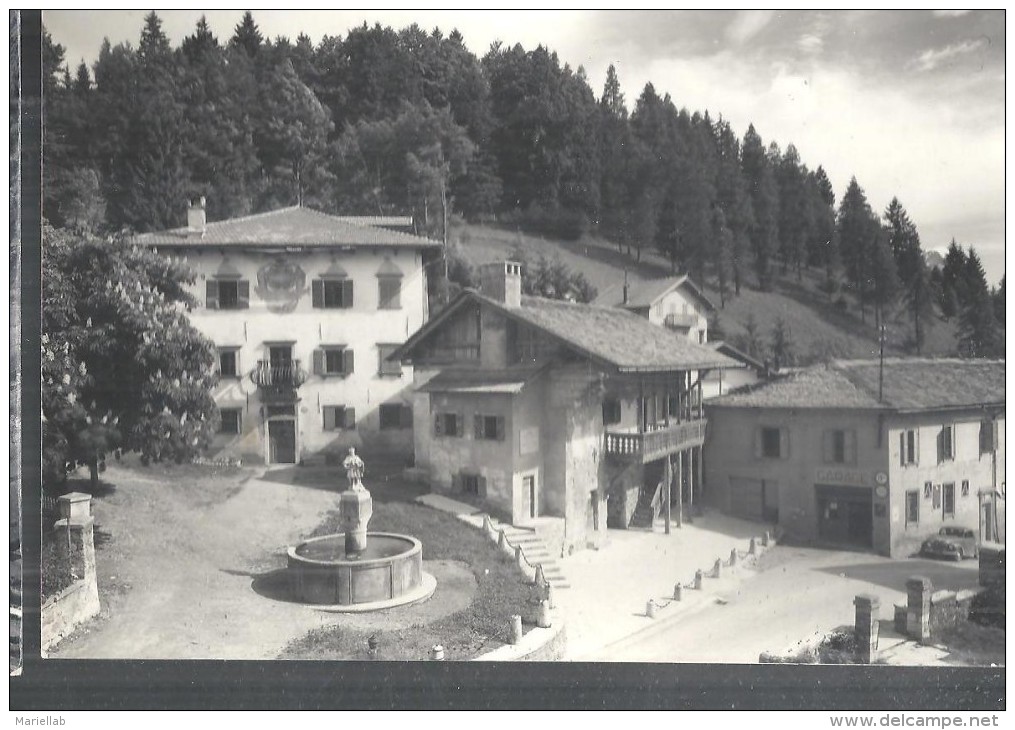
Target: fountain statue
x,y
343,571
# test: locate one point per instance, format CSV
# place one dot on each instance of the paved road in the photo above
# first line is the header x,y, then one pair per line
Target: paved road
x,y
796,593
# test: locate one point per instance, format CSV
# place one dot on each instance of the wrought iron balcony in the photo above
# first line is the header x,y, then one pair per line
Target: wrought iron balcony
x,y
277,376
657,442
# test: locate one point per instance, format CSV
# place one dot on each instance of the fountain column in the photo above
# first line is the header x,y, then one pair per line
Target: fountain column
x,y
355,506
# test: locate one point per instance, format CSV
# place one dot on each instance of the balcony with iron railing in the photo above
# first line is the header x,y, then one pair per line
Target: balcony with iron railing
x,y
279,376
656,441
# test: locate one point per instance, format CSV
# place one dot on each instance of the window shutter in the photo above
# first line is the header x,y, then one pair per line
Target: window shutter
x,y
350,418
459,425
954,443
317,293
456,482
211,299
757,443
902,448
347,293
481,483
437,425
477,426
318,362
243,294
395,300
993,435
329,418
500,428
784,443
850,447
916,445
940,446
827,446
405,417
347,361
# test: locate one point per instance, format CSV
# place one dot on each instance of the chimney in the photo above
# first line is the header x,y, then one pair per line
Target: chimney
x,y
625,286
195,216
502,282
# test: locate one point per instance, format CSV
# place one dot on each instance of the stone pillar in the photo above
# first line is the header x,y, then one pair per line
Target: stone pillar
x,y
77,544
753,549
865,627
678,592
515,628
918,590
699,576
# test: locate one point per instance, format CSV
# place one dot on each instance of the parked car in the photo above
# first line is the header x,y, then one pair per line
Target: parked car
x,y
955,543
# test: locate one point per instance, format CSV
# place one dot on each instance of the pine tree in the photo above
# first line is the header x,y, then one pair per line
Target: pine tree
x,y
783,351
979,331
734,200
247,36
765,203
954,295
998,296
856,227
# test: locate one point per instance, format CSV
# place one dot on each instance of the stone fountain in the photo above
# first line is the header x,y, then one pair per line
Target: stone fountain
x,y
356,570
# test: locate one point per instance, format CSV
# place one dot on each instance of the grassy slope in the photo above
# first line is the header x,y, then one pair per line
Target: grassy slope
x,y
818,329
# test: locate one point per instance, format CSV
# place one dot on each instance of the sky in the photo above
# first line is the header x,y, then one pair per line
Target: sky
x,y
911,103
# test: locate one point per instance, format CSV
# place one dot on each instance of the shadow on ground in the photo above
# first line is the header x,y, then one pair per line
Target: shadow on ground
x,y
893,574
383,479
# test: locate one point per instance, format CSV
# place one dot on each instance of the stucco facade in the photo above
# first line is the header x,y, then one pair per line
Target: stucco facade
x,y
328,351
871,478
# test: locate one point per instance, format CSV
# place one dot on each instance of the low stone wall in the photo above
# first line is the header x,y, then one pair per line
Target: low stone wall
x,y
79,602
949,608
538,645
69,608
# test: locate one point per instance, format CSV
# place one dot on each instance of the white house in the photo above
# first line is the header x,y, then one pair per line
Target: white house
x,y
304,309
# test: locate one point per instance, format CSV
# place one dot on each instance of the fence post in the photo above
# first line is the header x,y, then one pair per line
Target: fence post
x,y
516,629
77,543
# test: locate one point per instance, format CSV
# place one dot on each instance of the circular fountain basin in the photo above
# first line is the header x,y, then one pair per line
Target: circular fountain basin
x,y
389,572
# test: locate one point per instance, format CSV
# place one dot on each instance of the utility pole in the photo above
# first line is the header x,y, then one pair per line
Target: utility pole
x,y
881,366
669,479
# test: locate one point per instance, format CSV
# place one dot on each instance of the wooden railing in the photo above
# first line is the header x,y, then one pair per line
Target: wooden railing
x,y
681,321
278,375
453,353
656,443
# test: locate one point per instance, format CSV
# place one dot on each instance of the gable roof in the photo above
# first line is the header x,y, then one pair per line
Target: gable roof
x,y
727,349
293,226
646,293
610,335
910,384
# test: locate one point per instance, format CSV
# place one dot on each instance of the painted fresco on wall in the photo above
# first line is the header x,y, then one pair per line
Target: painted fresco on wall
x,y
281,284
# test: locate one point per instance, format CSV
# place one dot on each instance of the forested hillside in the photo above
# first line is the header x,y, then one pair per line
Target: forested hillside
x,y
385,121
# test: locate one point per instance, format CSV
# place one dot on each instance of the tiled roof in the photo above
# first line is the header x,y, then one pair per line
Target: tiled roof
x,y
615,336
295,226
474,380
727,349
646,293
911,384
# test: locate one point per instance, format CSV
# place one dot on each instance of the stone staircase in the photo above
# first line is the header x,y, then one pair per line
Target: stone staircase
x,y
535,547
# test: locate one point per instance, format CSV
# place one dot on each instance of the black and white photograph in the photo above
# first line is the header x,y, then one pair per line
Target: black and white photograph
x,y
666,337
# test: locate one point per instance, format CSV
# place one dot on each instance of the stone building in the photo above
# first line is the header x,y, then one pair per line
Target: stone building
x,y
304,309
822,455
553,414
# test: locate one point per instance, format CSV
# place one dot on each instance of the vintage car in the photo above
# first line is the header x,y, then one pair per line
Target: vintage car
x,y
954,543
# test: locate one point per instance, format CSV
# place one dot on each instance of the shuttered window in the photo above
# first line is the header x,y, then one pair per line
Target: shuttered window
x,y
489,428
332,293
987,437
229,363
946,443
908,446
389,292
338,418
448,424
771,443
334,360
912,507
948,500
384,365
227,294
395,416
231,420
839,446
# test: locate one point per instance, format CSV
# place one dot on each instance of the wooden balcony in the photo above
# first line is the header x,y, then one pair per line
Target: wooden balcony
x,y
657,442
468,351
279,376
681,321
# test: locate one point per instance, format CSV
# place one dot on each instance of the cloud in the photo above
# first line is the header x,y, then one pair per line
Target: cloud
x,y
810,43
747,24
950,13
934,57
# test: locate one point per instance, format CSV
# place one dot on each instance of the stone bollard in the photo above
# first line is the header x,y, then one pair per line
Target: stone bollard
x,y
650,609
766,539
487,525
678,592
539,578
543,615
865,627
733,557
918,590
699,576
549,595
519,557
516,630
717,569
437,653
502,541
753,549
